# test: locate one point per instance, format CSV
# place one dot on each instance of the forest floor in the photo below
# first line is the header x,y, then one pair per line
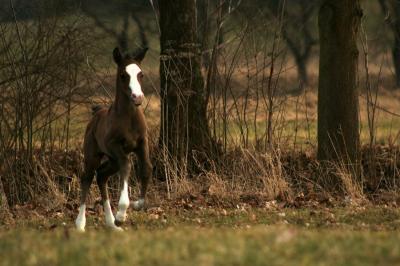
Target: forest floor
x,y
190,235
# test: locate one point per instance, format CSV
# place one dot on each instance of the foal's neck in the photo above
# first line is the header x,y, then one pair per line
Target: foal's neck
x,y
123,105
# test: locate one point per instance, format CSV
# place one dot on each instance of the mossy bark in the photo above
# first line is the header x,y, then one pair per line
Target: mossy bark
x,y
338,106
184,126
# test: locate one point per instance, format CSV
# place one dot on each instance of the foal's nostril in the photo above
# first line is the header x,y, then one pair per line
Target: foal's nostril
x,y
135,96
138,99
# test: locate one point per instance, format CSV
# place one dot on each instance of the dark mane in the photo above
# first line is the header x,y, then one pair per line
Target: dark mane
x,y
96,108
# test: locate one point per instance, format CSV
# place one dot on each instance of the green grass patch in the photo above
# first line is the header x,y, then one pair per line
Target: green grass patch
x,y
259,245
310,236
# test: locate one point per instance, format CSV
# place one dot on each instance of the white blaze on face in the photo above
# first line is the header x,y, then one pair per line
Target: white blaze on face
x,y
133,70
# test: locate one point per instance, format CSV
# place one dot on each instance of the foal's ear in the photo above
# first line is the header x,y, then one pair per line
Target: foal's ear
x,y
139,55
117,56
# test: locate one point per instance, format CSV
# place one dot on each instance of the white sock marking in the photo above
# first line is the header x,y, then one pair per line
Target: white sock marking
x,y
109,216
80,221
123,203
108,212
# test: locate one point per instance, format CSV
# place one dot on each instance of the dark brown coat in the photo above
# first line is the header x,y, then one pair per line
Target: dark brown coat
x,y
114,133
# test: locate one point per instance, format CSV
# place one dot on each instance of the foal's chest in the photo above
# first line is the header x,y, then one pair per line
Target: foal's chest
x,y
129,145
130,132
131,140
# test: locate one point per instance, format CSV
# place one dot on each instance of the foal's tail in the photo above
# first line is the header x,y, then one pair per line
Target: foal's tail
x,y
96,108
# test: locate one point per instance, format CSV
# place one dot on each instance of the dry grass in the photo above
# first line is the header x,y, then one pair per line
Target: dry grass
x,y
282,172
239,176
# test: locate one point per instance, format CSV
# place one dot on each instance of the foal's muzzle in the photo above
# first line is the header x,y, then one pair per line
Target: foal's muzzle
x,y
137,99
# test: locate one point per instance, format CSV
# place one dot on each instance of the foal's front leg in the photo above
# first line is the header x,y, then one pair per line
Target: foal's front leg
x,y
123,204
107,169
145,172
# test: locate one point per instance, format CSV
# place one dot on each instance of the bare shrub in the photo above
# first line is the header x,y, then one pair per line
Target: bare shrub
x,y
5,215
244,172
351,186
42,81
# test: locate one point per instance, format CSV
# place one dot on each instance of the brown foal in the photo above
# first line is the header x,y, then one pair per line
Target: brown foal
x,y
111,136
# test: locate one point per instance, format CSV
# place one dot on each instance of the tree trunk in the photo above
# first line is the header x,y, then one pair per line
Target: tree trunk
x,y
302,70
391,9
338,107
396,44
203,30
396,59
184,125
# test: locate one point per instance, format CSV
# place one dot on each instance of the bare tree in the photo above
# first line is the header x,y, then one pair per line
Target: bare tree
x,y
184,125
41,77
128,12
391,9
338,107
297,30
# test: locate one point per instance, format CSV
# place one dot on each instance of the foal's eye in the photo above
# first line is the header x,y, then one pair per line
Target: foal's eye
x,y
123,75
140,75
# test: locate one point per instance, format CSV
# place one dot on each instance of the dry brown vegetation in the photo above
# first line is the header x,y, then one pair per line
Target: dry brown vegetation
x,y
262,119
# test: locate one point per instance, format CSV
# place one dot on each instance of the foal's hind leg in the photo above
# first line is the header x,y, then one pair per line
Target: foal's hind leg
x,y
107,169
145,172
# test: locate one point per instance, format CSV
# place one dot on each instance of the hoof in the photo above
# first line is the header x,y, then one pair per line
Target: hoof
x,y
118,229
138,205
113,226
80,229
118,223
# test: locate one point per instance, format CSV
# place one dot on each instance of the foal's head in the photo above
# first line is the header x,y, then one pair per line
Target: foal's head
x,y
129,74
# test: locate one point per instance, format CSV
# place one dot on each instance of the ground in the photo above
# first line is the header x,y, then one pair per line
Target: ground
x,y
274,235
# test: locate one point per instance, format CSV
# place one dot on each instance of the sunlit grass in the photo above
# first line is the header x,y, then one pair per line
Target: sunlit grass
x,y
344,236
